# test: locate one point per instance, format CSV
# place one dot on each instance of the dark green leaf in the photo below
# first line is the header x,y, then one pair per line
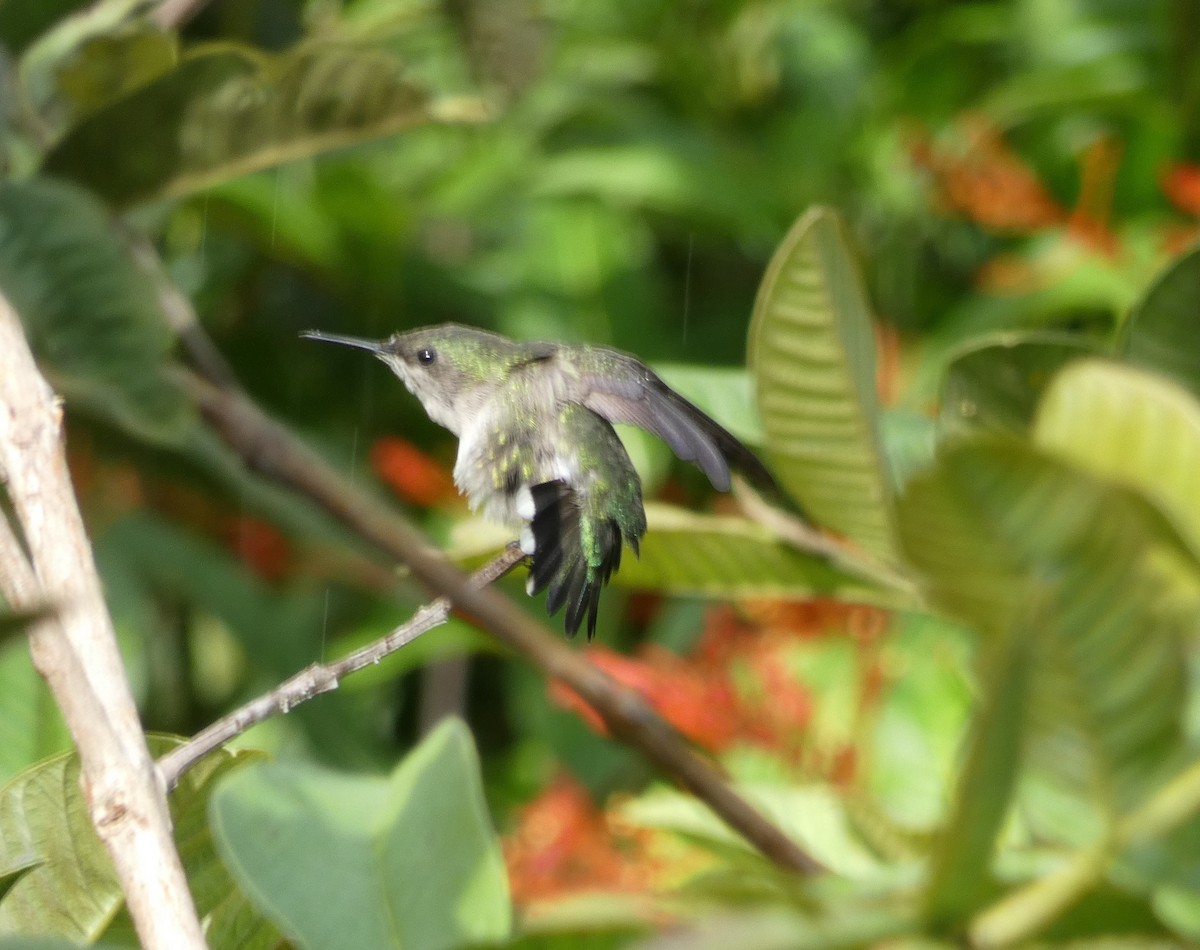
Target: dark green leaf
x,y
226,111
409,861
995,384
21,23
91,315
1163,331
67,885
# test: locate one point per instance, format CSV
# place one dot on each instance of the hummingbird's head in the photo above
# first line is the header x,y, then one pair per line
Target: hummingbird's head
x,y
449,368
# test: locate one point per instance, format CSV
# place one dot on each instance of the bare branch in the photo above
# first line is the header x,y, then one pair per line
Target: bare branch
x,y
269,449
76,651
322,677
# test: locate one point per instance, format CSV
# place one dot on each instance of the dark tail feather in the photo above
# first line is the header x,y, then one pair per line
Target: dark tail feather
x,y
559,560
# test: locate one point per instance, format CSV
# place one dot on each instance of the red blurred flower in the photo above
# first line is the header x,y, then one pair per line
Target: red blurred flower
x,y
700,706
260,546
410,473
1181,184
740,683
564,844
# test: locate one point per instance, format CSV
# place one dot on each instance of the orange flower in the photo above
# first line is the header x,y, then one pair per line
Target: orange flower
x,y
564,844
987,182
1181,184
701,707
410,473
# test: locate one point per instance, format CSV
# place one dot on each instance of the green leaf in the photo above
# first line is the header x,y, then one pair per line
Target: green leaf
x,y
227,111
31,726
960,878
60,879
230,919
1100,587
91,59
812,354
727,557
14,623
65,883
1131,427
21,23
407,861
91,315
1163,330
813,817
995,384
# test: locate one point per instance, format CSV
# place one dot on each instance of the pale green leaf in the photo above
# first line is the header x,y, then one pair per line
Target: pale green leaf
x,y
1098,585
407,861
724,556
226,111
1132,427
812,354
811,816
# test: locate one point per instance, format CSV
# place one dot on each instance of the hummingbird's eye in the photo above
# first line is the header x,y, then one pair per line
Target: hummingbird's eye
x,y
426,356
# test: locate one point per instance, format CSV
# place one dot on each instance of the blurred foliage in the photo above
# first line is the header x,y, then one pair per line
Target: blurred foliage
x,y
959,240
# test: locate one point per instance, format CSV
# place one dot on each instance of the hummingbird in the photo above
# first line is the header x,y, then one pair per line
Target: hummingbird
x,y
537,446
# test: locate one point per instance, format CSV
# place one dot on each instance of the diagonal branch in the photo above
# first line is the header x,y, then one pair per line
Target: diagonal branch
x,y
75,649
322,677
266,447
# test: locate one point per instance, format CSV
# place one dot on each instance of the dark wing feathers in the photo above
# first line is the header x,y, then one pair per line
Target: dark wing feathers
x,y
559,560
637,396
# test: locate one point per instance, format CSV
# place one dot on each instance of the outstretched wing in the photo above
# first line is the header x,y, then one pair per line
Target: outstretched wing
x,y
621,388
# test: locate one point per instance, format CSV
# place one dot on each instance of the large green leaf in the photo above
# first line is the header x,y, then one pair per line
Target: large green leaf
x,y
408,861
65,883
227,111
1085,594
56,877
1163,330
812,354
92,316
723,557
230,920
729,557
813,817
995,384
1132,427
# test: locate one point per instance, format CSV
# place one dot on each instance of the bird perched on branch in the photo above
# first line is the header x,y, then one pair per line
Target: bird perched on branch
x,y
537,445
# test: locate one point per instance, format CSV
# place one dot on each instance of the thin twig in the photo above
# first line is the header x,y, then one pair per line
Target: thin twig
x,y
322,677
269,449
75,650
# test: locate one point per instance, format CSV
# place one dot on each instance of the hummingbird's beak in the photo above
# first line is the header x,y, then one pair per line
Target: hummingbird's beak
x,y
375,346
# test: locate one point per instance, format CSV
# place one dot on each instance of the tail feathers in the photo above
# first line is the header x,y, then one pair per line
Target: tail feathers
x,y
561,559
